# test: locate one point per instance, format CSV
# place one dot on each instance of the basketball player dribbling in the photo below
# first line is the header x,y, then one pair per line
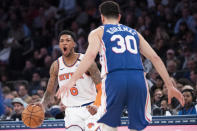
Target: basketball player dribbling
x,y
82,100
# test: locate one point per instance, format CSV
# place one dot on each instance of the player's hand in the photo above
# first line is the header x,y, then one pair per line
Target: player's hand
x,y
173,92
65,89
92,109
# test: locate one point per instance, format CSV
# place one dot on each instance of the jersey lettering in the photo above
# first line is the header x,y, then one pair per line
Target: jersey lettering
x,y
66,76
124,44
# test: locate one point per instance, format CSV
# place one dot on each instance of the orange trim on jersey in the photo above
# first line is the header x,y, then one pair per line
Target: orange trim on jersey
x,y
97,102
72,64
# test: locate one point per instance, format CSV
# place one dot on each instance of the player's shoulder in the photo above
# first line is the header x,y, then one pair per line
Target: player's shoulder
x,y
98,31
54,67
55,63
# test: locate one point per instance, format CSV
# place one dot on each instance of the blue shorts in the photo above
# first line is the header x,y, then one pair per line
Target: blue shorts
x,y
127,88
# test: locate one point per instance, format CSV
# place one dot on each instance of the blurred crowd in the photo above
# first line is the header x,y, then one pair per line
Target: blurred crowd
x,y
29,44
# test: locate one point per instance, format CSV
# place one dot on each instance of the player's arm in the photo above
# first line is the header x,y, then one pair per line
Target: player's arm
x,y
52,85
96,77
149,53
95,73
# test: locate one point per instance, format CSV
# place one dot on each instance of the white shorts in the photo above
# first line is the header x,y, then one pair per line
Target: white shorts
x,y
79,119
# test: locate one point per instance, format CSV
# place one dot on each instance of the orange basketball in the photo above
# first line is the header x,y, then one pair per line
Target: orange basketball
x,y
33,116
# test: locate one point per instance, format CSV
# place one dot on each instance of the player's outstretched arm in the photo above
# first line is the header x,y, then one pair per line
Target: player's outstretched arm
x,y
88,59
52,85
149,53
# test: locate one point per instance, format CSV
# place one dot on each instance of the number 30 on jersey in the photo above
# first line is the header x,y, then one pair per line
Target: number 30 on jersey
x,y
124,44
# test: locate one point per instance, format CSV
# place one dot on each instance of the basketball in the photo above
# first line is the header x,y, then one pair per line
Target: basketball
x,y
33,116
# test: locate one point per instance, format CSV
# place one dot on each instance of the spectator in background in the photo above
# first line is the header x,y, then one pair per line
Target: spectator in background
x,y
43,83
164,107
130,18
147,64
152,76
186,56
190,40
160,47
14,93
180,5
183,28
193,77
172,70
28,70
8,110
171,67
23,93
186,17
35,83
190,66
19,106
170,55
140,24
68,6
37,59
35,97
161,34
45,69
190,107
40,20
82,43
180,83
159,83
156,100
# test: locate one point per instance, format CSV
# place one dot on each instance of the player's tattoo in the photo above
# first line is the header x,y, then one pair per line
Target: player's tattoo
x,y
52,85
95,73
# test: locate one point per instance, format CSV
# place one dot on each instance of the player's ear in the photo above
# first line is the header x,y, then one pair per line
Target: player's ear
x,y
102,18
75,44
119,17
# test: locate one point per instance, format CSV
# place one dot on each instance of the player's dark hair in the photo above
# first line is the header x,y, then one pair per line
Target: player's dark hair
x,y
67,32
109,9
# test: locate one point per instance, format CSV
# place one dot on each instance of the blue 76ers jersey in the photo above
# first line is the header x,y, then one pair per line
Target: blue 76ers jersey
x,y
120,49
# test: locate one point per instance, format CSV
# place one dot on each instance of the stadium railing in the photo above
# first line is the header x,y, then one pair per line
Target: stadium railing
x,y
160,120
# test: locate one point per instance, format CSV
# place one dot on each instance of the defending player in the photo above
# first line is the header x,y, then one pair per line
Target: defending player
x,y
122,71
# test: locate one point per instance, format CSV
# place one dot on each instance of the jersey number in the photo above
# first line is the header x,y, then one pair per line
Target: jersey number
x,y
124,44
74,91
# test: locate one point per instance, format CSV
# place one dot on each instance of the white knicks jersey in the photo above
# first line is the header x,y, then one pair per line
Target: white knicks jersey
x,y
83,92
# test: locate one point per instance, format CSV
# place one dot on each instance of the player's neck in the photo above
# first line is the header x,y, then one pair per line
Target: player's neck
x,y
111,21
70,59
